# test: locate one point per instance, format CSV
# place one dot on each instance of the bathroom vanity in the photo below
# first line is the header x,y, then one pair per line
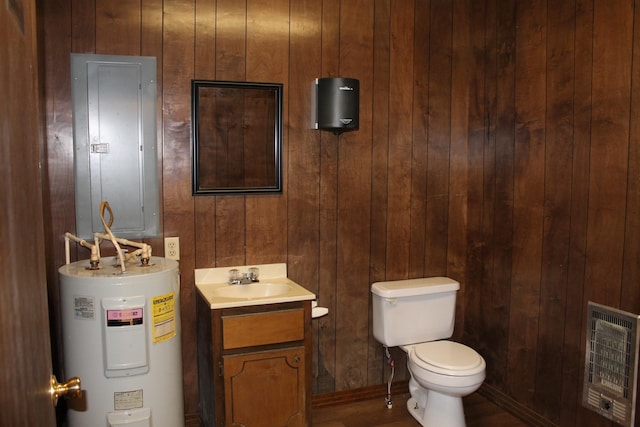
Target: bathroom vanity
x,y
254,349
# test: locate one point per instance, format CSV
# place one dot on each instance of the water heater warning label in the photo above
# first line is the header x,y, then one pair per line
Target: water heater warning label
x,y
123,400
164,317
84,307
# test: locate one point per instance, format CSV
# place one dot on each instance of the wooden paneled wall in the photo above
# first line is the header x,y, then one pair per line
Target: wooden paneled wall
x,y
499,144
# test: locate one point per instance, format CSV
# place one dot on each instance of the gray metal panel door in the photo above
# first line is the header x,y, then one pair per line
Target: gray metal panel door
x,y
114,101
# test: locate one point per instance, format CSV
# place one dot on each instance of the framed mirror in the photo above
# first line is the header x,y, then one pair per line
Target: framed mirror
x,y
236,137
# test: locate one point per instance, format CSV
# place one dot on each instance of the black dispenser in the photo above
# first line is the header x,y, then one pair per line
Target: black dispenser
x,y
338,104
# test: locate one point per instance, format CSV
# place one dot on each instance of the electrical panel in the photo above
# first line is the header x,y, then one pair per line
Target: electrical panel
x,y
115,149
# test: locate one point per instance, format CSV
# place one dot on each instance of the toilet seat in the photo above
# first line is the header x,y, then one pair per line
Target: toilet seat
x,y
447,358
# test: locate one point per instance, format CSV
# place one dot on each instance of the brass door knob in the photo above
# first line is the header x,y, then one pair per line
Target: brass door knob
x,y
71,388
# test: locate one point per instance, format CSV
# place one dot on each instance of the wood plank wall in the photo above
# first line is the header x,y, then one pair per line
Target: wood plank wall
x,y
498,144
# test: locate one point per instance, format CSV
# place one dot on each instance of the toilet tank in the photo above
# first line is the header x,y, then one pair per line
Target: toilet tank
x,y
414,310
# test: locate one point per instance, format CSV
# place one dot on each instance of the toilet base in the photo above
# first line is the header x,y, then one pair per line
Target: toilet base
x,y
440,410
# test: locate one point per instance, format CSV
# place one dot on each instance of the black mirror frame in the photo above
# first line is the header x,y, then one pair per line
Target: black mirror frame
x,y
277,137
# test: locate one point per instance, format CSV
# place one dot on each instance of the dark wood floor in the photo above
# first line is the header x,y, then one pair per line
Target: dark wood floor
x,y
479,412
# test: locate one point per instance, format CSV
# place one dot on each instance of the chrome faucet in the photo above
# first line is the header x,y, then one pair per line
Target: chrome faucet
x,y
237,278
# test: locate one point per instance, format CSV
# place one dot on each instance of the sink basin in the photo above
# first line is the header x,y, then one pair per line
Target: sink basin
x,y
252,290
274,287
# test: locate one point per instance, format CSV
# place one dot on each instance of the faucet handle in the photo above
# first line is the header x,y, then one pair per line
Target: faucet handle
x,y
253,274
234,276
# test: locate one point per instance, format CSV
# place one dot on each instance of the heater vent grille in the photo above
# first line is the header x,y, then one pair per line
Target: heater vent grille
x,y
611,362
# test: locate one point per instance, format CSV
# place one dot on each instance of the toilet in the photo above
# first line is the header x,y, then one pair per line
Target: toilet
x,y
419,315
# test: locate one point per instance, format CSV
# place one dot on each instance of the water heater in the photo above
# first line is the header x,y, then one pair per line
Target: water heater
x,y
121,336
337,104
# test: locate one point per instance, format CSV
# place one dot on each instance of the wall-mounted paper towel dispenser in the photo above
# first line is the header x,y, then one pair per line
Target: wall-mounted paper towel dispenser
x,y
337,104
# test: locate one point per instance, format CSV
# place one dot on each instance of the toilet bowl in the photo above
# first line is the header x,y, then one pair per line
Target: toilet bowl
x,y
418,315
442,372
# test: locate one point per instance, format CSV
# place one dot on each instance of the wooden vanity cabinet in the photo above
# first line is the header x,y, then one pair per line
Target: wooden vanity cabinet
x,y
254,365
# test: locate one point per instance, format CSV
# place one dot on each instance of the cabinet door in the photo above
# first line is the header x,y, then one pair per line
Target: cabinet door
x,y
265,389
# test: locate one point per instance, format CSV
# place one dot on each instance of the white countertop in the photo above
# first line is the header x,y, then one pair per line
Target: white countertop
x,y
211,281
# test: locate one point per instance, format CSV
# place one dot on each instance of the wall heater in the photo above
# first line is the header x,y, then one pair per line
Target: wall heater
x,y
611,363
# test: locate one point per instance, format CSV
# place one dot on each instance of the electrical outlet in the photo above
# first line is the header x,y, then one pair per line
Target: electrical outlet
x,y
172,248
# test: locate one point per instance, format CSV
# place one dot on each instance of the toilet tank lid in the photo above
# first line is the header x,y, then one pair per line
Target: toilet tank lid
x,y
411,287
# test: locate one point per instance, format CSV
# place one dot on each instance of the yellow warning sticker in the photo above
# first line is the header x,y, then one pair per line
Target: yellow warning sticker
x,y
164,317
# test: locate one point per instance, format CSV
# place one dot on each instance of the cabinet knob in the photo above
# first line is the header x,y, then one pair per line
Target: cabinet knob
x,y
296,359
